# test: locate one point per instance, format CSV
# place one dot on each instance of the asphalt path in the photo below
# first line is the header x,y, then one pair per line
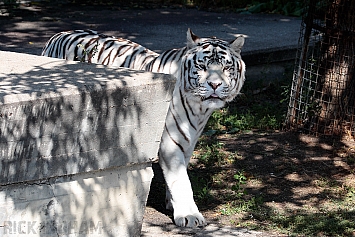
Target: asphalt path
x,y
156,29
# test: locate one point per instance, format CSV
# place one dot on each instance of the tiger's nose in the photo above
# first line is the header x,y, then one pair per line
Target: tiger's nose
x,y
214,85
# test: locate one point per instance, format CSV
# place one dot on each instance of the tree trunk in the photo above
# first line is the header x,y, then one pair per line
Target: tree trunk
x,y
336,86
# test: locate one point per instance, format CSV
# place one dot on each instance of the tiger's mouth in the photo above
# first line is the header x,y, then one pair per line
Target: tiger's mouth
x,y
213,97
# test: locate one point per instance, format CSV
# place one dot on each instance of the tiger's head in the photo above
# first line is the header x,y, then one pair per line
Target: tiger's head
x,y
212,71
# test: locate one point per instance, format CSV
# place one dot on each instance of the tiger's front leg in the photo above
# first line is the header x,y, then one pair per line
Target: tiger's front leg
x,y
179,195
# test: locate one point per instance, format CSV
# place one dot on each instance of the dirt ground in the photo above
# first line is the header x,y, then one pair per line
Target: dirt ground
x,y
293,172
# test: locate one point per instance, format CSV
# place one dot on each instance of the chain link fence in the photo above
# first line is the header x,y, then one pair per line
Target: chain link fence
x,y
322,98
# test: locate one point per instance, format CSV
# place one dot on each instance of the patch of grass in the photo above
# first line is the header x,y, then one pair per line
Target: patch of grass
x,y
201,188
240,205
210,152
212,157
333,217
339,223
239,201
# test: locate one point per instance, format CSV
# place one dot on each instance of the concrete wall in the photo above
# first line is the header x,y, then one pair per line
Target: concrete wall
x,y
76,141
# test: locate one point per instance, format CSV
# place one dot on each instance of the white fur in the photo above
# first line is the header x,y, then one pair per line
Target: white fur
x,y
182,129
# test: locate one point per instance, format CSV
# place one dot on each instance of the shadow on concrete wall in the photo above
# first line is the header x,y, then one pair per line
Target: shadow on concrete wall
x,y
64,135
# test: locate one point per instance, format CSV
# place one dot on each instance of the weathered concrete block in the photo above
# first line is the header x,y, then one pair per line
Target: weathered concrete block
x,y
76,141
110,202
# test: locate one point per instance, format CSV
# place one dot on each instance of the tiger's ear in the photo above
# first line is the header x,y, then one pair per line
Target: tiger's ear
x,y
237,44
192,39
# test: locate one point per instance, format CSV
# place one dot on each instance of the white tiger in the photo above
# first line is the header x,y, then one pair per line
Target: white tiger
x,y
210,72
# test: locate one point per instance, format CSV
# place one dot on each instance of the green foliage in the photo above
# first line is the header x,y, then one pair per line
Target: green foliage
x,y
240,180
261,115
10,2
211,152
350,160
285,7
201,188
7,7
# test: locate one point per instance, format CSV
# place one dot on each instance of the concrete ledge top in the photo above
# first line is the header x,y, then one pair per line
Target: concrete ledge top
x,y
26,77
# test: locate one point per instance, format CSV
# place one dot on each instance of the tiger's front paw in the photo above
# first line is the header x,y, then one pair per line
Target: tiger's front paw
x,y
191,220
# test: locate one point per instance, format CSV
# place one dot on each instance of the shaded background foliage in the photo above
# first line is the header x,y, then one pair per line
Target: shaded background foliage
x,y
285,7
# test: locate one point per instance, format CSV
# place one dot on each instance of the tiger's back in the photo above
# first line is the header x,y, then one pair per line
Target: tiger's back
x,y
92,47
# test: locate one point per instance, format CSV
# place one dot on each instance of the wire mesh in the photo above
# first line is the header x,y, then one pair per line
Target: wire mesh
x,y
322,98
